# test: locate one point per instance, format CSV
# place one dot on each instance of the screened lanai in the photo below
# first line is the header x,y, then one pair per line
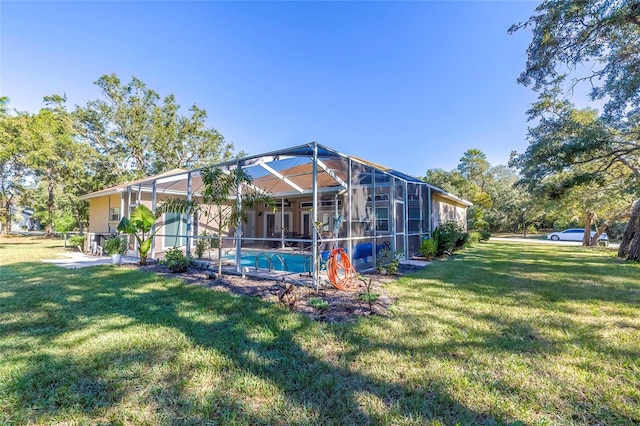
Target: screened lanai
x,y
323,199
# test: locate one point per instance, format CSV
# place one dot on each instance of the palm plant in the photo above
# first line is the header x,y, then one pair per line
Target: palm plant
x,y
219,187
139,225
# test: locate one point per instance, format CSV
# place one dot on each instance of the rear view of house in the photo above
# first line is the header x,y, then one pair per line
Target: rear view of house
x,y
323,198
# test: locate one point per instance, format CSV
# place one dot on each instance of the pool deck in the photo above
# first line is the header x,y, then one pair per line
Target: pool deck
x,y
298,278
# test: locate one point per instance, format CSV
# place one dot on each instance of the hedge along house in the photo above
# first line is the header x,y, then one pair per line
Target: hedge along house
x,y
323,199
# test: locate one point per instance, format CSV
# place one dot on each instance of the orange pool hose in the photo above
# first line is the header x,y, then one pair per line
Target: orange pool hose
x,y
334,266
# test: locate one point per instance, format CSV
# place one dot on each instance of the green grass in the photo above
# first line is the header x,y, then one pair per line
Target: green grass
x,y
503,333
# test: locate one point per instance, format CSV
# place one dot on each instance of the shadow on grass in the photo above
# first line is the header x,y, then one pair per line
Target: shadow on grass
x,y
45,304
550,274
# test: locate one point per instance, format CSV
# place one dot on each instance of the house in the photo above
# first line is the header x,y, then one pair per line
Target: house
x,y
22,219
323,198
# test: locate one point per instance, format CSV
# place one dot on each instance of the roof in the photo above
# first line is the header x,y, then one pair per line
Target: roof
x,y
284,172
123,186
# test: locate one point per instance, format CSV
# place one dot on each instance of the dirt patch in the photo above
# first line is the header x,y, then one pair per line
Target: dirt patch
x,y
342,305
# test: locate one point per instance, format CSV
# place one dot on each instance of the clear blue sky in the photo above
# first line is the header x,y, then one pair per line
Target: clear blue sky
x,y
410,85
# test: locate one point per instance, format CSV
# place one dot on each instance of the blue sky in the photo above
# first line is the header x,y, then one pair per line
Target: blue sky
x,y
410,85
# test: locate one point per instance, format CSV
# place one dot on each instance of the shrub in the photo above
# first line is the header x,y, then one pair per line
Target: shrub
x,y
319,304
388,263
485,235
65,223
116,245
369,297
201,246
450,237
475,237
175,260
77,241
480,224
429,247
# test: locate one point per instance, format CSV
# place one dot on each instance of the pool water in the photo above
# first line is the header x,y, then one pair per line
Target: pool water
x,y
295,262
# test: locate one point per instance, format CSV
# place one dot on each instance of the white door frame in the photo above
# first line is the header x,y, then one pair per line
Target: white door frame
x,y
249,228
277,223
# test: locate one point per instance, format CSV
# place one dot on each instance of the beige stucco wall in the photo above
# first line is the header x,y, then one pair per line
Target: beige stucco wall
x,y
99,209
444,210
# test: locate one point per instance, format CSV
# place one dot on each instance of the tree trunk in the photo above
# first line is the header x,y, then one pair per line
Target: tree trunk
x,y
586,239
76,215
605,225
6,218
50,202
631,233
634,251
599,231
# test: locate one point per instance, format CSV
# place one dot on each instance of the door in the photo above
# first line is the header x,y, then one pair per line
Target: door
x,y
249,228
175,230
273,224
305,227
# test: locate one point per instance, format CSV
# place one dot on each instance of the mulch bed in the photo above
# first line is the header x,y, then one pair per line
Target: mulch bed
x,y
343,305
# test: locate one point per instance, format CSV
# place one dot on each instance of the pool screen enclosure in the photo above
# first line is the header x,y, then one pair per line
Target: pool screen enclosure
x,y
323,199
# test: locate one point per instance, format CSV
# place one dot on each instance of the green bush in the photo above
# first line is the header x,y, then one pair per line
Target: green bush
x,y
475,237
77,241
429,247
201,246
450,237
116,245
480,224
65,223
175,260
387,262
369,297
485,235
319,304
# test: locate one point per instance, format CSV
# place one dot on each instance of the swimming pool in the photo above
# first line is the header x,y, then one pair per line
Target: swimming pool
x,y
295,262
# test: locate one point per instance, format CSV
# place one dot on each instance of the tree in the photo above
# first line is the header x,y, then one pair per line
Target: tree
x,y
142,135
512,208
13,164
474,166
55,156
575,151
596,41
576,42
220,187
499,204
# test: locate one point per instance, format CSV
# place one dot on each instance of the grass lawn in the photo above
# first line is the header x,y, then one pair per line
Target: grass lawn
x,y
503,333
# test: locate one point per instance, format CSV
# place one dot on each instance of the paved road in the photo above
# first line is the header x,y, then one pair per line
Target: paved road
x,y
538,241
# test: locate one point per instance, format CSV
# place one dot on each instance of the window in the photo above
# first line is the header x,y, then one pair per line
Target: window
x,y
114,214
175,229
414,219
380,197
382,219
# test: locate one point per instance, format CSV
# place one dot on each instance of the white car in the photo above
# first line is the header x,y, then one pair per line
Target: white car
x,y
574,234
